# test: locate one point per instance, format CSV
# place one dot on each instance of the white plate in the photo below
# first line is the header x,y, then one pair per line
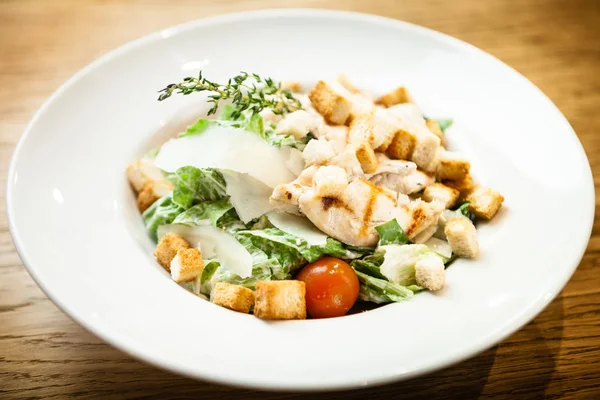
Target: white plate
x,y
75,225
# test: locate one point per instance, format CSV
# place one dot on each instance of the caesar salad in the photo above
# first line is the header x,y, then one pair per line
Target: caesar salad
x,y
287,204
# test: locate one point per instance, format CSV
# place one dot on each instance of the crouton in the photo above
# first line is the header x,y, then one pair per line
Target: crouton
x,y
426,149
187,265
152,192
334,107
464,185
361,129
451,166
318,152
430,273
292,86
402,145
234,297
484,202
366,157
141,172
439,192
330,181
434,127
167,249
298,124
397,96
462,237
377,128
146,197
280,300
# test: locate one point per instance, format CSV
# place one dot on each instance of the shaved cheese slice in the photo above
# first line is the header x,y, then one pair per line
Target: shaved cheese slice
x,y
298,226
227,148
214,242
439,246
294,159
249,196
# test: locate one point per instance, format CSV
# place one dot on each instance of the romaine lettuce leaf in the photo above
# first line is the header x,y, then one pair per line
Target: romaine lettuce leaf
x,y
207,211
380,290
370,265
162,212
399,261
290,250
391,233
194,185
196,128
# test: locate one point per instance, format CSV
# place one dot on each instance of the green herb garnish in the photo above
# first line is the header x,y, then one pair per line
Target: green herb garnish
x,y
246,92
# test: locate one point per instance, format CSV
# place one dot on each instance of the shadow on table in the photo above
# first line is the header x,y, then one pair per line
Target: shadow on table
x,y
520,367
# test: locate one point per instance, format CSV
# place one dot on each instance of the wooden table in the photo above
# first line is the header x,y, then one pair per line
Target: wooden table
x,y
555,43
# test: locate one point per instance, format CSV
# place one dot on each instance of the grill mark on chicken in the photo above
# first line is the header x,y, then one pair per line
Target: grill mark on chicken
x,y
418,217
328,202
376,190
368,211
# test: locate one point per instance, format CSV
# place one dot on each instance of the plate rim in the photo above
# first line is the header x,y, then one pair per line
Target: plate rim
x,y
104,334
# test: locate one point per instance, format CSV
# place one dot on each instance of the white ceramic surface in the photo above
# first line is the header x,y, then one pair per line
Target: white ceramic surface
x,y
75,225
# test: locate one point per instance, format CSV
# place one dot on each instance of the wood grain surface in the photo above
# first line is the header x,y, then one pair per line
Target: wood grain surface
x,y
555,43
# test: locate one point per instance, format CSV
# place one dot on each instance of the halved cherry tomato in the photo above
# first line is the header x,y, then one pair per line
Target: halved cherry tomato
x,y
331,287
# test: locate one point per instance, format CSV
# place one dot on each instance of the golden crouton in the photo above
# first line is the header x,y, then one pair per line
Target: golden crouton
x,y
151,192
292,86
434,127
402,145
397,96
186,265
167,249
361,129
444,194
280,300
332,106
141,172
367,158
451,167
234,297
146,197
462,237
464,185
484,202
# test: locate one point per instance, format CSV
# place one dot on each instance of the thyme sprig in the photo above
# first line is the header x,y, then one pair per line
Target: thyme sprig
x,y
246,92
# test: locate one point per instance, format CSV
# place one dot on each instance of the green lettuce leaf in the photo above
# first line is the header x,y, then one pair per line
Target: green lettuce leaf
x,y
290,250
193,185
196,128
399,261
391,233
162,212
381,291
464,209
370,265
212,211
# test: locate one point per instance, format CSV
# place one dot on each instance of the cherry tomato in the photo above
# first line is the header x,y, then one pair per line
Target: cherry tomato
x,y
331,287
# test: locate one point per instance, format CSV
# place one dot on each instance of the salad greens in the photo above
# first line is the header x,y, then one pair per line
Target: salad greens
x,y
380,291
193,185
391,233
232,117
386,273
